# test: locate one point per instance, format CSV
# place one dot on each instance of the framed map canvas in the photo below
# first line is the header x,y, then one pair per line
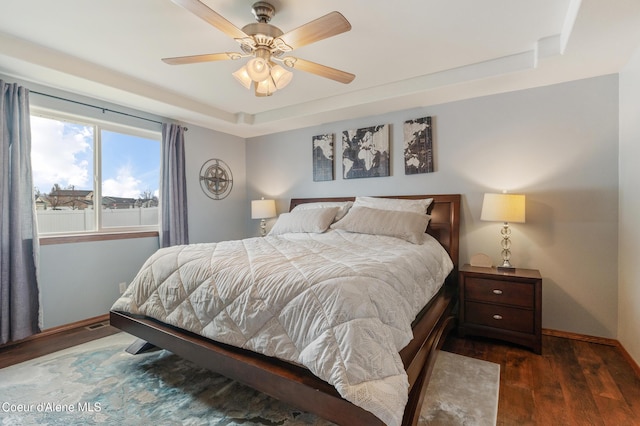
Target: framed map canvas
x,y
365,152
323,157
418,146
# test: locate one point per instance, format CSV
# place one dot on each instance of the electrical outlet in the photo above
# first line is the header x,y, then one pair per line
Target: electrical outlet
x,y
123,287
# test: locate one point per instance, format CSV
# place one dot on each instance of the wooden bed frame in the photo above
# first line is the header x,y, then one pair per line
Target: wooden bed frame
x,y
296,385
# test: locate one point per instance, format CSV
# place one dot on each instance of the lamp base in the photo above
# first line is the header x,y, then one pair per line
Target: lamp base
x,y
506,268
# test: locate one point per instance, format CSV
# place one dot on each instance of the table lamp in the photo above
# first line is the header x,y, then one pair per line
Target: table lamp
x,y
504,208
263,209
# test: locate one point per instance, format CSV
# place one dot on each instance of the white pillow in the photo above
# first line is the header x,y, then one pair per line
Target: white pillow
x,y
408,226
395,204
312,220
343,206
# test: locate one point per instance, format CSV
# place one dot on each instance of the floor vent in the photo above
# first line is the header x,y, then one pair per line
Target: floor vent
x,y
96,326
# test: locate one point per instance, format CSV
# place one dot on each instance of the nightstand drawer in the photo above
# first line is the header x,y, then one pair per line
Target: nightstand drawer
x,y
498,291
503,317
501,305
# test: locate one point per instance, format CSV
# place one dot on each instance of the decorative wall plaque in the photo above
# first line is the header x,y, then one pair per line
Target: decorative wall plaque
x,y
216,179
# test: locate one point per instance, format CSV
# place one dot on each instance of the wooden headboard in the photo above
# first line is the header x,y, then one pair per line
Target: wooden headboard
x,y
445,218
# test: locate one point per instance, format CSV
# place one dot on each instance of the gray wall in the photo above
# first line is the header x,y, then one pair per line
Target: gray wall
x,y
629,245
81,280
215,220
556,144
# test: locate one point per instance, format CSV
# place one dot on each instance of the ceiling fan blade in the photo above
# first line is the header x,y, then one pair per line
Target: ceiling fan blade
x,y
317,69
194,59
214,18
326,26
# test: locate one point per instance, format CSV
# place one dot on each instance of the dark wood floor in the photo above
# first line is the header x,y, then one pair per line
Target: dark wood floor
x,y
571,383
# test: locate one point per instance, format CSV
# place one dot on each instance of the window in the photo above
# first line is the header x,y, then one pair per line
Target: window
x,y
94,177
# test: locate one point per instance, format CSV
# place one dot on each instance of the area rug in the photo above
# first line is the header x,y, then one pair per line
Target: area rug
x,y
99,383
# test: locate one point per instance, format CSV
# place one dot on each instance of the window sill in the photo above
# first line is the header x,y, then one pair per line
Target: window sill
x,y
84,238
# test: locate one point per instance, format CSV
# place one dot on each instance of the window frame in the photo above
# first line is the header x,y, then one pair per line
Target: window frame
x,y
100,233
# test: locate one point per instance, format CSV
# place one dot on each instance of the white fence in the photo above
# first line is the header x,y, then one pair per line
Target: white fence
x,y
84,220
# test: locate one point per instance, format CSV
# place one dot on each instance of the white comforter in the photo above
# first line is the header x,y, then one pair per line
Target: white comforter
x,y
339,303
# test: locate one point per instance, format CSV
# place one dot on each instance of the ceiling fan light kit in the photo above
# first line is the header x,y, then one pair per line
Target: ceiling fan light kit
x,y
266,43
276,77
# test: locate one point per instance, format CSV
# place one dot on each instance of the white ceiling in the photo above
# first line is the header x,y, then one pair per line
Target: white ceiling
x,y
405,54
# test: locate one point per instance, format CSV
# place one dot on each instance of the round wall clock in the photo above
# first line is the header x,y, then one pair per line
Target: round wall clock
x,y
216,179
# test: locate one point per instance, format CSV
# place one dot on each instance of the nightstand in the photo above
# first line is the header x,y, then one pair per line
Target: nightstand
x,y
502,305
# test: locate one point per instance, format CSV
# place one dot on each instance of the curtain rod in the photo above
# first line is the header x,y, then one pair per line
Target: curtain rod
x,y
97,107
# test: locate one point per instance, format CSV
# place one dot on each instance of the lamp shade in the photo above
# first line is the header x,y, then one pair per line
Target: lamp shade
x,y
243,77
266,87
263,209
281,77
258,69
503,208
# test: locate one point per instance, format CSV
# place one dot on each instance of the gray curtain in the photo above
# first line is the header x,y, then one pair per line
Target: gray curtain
x,y
173,188
19,297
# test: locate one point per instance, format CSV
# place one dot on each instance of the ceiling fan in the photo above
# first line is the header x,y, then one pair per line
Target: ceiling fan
x,y
267,45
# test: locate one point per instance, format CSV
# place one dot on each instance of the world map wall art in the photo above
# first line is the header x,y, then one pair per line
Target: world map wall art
x,y
418,146
365,152
323,157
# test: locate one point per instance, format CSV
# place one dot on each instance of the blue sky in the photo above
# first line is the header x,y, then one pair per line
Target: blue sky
x,y
62,153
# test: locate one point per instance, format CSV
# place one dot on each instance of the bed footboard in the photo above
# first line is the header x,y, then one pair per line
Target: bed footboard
x,y
296,385
281,380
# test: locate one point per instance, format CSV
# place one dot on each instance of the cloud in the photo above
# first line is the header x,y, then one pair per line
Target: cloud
x,y
123,185
60,153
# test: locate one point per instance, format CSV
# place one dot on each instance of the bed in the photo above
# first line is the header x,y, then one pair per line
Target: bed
x,y
291,380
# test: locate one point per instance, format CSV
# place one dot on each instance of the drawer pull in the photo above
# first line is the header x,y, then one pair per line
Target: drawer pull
x,y
496,291
497,317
